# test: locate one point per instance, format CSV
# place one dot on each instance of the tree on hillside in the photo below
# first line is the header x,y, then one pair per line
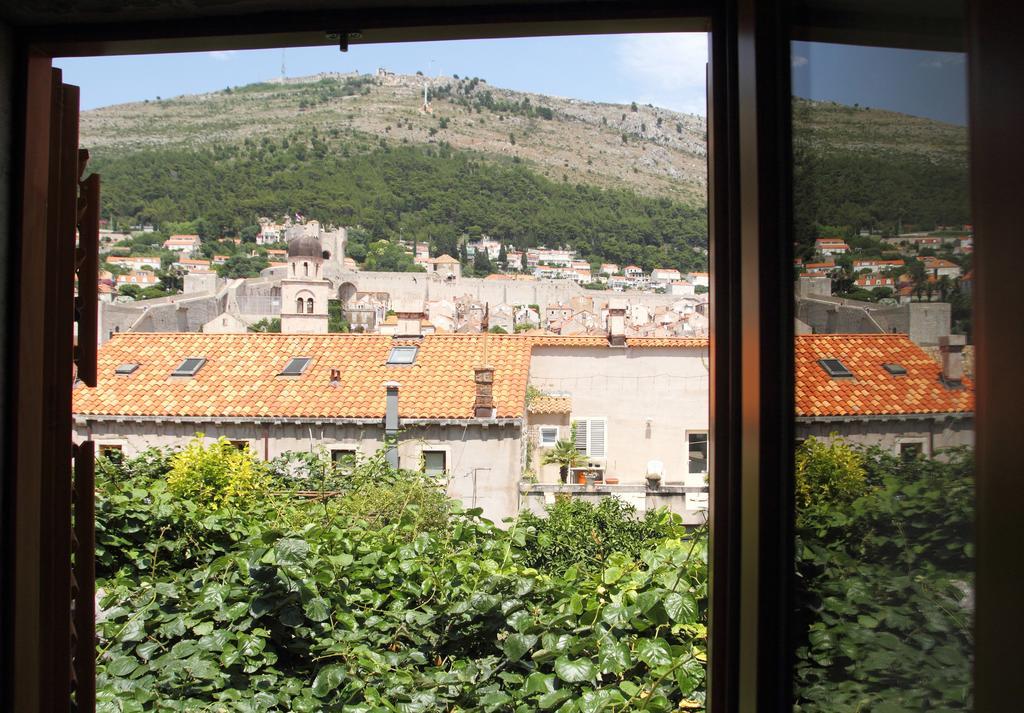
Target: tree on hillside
x,y
385,256
482,264
503,257
242,266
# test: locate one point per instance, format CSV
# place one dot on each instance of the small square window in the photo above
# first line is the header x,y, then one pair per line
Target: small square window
x,y
343,456
189,367
434,462
126,369
895,369
240,445
910,450
295,366
110,450
835,368
548,436
402,355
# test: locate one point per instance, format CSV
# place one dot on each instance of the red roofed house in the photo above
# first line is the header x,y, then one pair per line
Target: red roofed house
x,y
883,390
831,246
184,244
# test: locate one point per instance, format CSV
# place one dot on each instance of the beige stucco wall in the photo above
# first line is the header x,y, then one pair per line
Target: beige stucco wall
x,y
935,434
651,397
484,463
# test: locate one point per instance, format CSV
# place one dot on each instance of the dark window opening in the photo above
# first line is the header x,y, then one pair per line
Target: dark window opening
x,y
296,366
835,368
189,367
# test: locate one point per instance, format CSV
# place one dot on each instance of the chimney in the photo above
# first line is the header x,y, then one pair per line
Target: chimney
x,y
410,315
617,323
391,422
335,377
483,404
951,347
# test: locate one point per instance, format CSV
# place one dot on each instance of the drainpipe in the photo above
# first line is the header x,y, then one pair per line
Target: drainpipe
x,y
391,423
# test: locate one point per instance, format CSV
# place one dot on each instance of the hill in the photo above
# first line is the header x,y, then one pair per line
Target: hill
x,y
859,168
652,151
624,183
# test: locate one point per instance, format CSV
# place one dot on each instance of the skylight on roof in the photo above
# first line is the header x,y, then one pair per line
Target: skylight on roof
x,y
895,369
296,366
126,369
835,368
189,367
402,355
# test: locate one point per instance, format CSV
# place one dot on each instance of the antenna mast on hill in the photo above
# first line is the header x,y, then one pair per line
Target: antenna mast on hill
x,y
282,65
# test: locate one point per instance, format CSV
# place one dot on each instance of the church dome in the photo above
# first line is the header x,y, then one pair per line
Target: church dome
x,y
305,246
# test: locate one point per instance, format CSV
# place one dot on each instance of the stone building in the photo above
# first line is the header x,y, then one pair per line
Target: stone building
x,y
305,291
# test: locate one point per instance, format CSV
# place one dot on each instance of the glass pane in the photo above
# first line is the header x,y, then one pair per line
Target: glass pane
x,y
884,396
434,462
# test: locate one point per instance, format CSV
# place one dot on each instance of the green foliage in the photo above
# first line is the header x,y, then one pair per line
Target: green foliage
x,y
242,266
430,191
356,600
856,170
574,533
564,455
267,324
883,618
336,321
386,256
828,472
217,474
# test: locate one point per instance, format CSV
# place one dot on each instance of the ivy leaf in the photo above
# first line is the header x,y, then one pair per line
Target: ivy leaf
x,y
575,670
538,682
291,551
550,700
317,609
516,645
328,679
681,607
653,652
614,657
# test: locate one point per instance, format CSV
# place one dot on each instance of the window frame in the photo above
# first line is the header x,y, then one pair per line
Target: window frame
x,y
589,420
445,452
750,381
541,442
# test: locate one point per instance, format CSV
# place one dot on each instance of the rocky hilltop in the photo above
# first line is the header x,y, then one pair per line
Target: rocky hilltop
x,y
652,151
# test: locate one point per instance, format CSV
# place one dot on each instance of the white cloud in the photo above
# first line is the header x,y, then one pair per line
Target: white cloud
x,y
798,61
667,70
222,55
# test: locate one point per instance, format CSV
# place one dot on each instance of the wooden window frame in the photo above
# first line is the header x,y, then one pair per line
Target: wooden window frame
x,y
751,296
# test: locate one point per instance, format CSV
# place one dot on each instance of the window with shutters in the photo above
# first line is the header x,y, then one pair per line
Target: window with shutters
x,y
591,436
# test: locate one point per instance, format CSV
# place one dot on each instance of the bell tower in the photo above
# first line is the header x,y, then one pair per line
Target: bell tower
x,y
305,291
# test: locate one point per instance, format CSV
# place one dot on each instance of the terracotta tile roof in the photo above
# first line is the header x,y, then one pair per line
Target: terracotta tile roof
x,y
240,377
602,341
550,405
872,390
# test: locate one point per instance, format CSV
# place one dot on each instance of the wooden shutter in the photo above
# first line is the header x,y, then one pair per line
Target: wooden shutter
x,y
596,437
581,435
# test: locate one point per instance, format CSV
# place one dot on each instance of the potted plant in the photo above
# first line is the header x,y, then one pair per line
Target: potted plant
x,y
565,455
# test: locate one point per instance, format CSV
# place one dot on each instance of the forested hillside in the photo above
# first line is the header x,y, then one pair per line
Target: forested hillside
x,y
429,193
857,168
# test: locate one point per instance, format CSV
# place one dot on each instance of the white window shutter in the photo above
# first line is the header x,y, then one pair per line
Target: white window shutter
x,y
597,437
581,435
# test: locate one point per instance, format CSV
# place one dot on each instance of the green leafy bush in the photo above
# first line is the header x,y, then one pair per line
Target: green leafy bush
x,y
884,591
362,602
216,474
828,472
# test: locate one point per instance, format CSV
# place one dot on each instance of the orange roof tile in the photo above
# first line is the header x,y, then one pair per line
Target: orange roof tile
x,y
550,405
872,390
240,378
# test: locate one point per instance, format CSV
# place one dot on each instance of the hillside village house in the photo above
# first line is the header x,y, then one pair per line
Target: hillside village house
x,y
184,244
142,278
664,276
831,246
135,262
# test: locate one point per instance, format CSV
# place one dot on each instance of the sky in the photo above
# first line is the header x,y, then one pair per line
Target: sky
x,y
666,70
